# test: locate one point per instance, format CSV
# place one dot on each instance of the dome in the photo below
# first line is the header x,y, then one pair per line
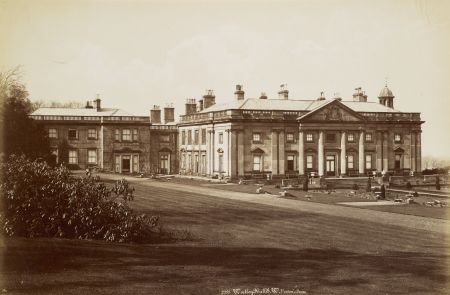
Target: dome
x,y
386,92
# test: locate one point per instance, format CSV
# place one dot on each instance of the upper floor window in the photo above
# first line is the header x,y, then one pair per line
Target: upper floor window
x,y
368,137
135,135
126,135
397,137
220,137
92,133
117,134
290,137
189,140
52,133
196,136
203,136
73,134
331,137
309,137
256,137
350,137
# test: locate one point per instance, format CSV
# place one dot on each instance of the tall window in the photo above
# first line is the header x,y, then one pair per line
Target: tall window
x,y
183,137
117,135
135,163
350,137
309,137
73,134
92,156
52,133
290,163
290,137
135,135
73,157
397,137
309,162
126,135
257,137
220,137
257,162
350,162
368,161
368,137
92,133
196,135
398,161
189,137
203,136
221,163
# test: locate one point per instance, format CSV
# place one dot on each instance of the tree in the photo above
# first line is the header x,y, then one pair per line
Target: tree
x,y
20,133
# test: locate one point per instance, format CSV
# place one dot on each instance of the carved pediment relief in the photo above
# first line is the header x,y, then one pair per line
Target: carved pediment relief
x,y
333,112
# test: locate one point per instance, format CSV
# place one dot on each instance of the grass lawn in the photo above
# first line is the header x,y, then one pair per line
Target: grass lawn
x,y
234,244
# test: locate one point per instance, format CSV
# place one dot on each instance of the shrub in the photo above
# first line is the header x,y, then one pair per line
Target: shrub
x,y
408,185
305,184
40,201
355,187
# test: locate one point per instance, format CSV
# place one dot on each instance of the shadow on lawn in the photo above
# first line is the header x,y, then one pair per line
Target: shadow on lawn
x,y
92,264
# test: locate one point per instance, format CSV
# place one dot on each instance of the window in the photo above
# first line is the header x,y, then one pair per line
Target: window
x,y
290,137
220,137
164,138
135,163
126,135
221,163
117,135
350,137
309,137
309,162
92,156
183,137
257,163
397,137
330,137
350,161
256,137
92,133
290,163
368,137
196,135
203,136
398,161
117,163
369,161
73,134
73,157
54,153
52,133
189,137
135,135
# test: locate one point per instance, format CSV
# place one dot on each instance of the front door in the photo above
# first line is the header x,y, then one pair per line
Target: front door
x,y
331,165
126,164
164,165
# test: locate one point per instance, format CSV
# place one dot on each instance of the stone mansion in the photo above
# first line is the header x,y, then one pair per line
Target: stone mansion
x,y
245,137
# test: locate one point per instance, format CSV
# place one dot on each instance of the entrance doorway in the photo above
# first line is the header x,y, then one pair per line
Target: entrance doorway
x,y
164,164
126,164
331,165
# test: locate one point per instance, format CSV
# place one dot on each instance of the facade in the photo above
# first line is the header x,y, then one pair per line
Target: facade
x,y
256,137
111,139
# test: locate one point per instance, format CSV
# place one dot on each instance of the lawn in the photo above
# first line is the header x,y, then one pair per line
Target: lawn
x,y
233,244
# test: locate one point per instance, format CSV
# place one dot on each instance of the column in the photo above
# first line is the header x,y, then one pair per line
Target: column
x,y
281,153
321,154
379,151
213,152
274,145
343,154
419,151
241,159
233,153
361,153
301,154
412,149
228,151
208,153
385,146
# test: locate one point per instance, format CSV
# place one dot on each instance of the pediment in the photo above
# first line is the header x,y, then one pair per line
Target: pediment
x,y
334,111
165,150
257,151
399,150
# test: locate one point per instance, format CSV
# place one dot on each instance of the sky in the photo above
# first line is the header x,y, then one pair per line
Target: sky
x,y
136,54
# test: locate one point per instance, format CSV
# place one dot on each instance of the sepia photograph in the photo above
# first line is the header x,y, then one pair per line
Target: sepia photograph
x,y
237,147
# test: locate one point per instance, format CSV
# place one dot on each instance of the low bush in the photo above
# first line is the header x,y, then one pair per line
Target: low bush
x,y
41,201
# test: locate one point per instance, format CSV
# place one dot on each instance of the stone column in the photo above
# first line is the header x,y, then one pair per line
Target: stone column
x,y
274,145
227,164
343,154
385,146
412,148
241,158
361,153
281,153
213,152
321,154
419,151
301,154
208,153
102,145
233,153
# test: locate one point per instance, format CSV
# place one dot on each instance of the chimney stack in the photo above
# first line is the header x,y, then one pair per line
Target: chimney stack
x,y
359,95
337,96
283,93
169,114
200,105
263,95
322,97
239,93
155,115
88,105
191,106
97,102
209,99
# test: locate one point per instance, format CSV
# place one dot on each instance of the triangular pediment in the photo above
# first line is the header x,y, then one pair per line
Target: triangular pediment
x,y
334,111
399,150
257,151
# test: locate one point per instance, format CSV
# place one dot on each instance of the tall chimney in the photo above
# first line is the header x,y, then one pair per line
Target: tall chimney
x,y
191,106
200,105
283,93
321,97
209,99
239,93
97,102
169,114
155,115
263,95
359,95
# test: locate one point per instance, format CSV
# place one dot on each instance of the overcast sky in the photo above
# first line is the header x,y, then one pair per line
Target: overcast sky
x,y
136,54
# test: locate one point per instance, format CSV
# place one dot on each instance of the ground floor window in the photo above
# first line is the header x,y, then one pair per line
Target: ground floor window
x,y
369,161
350,162
135,163
221,163
189,163
290,163
73,157
92,156
257,162
309,162
164,163
204,164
